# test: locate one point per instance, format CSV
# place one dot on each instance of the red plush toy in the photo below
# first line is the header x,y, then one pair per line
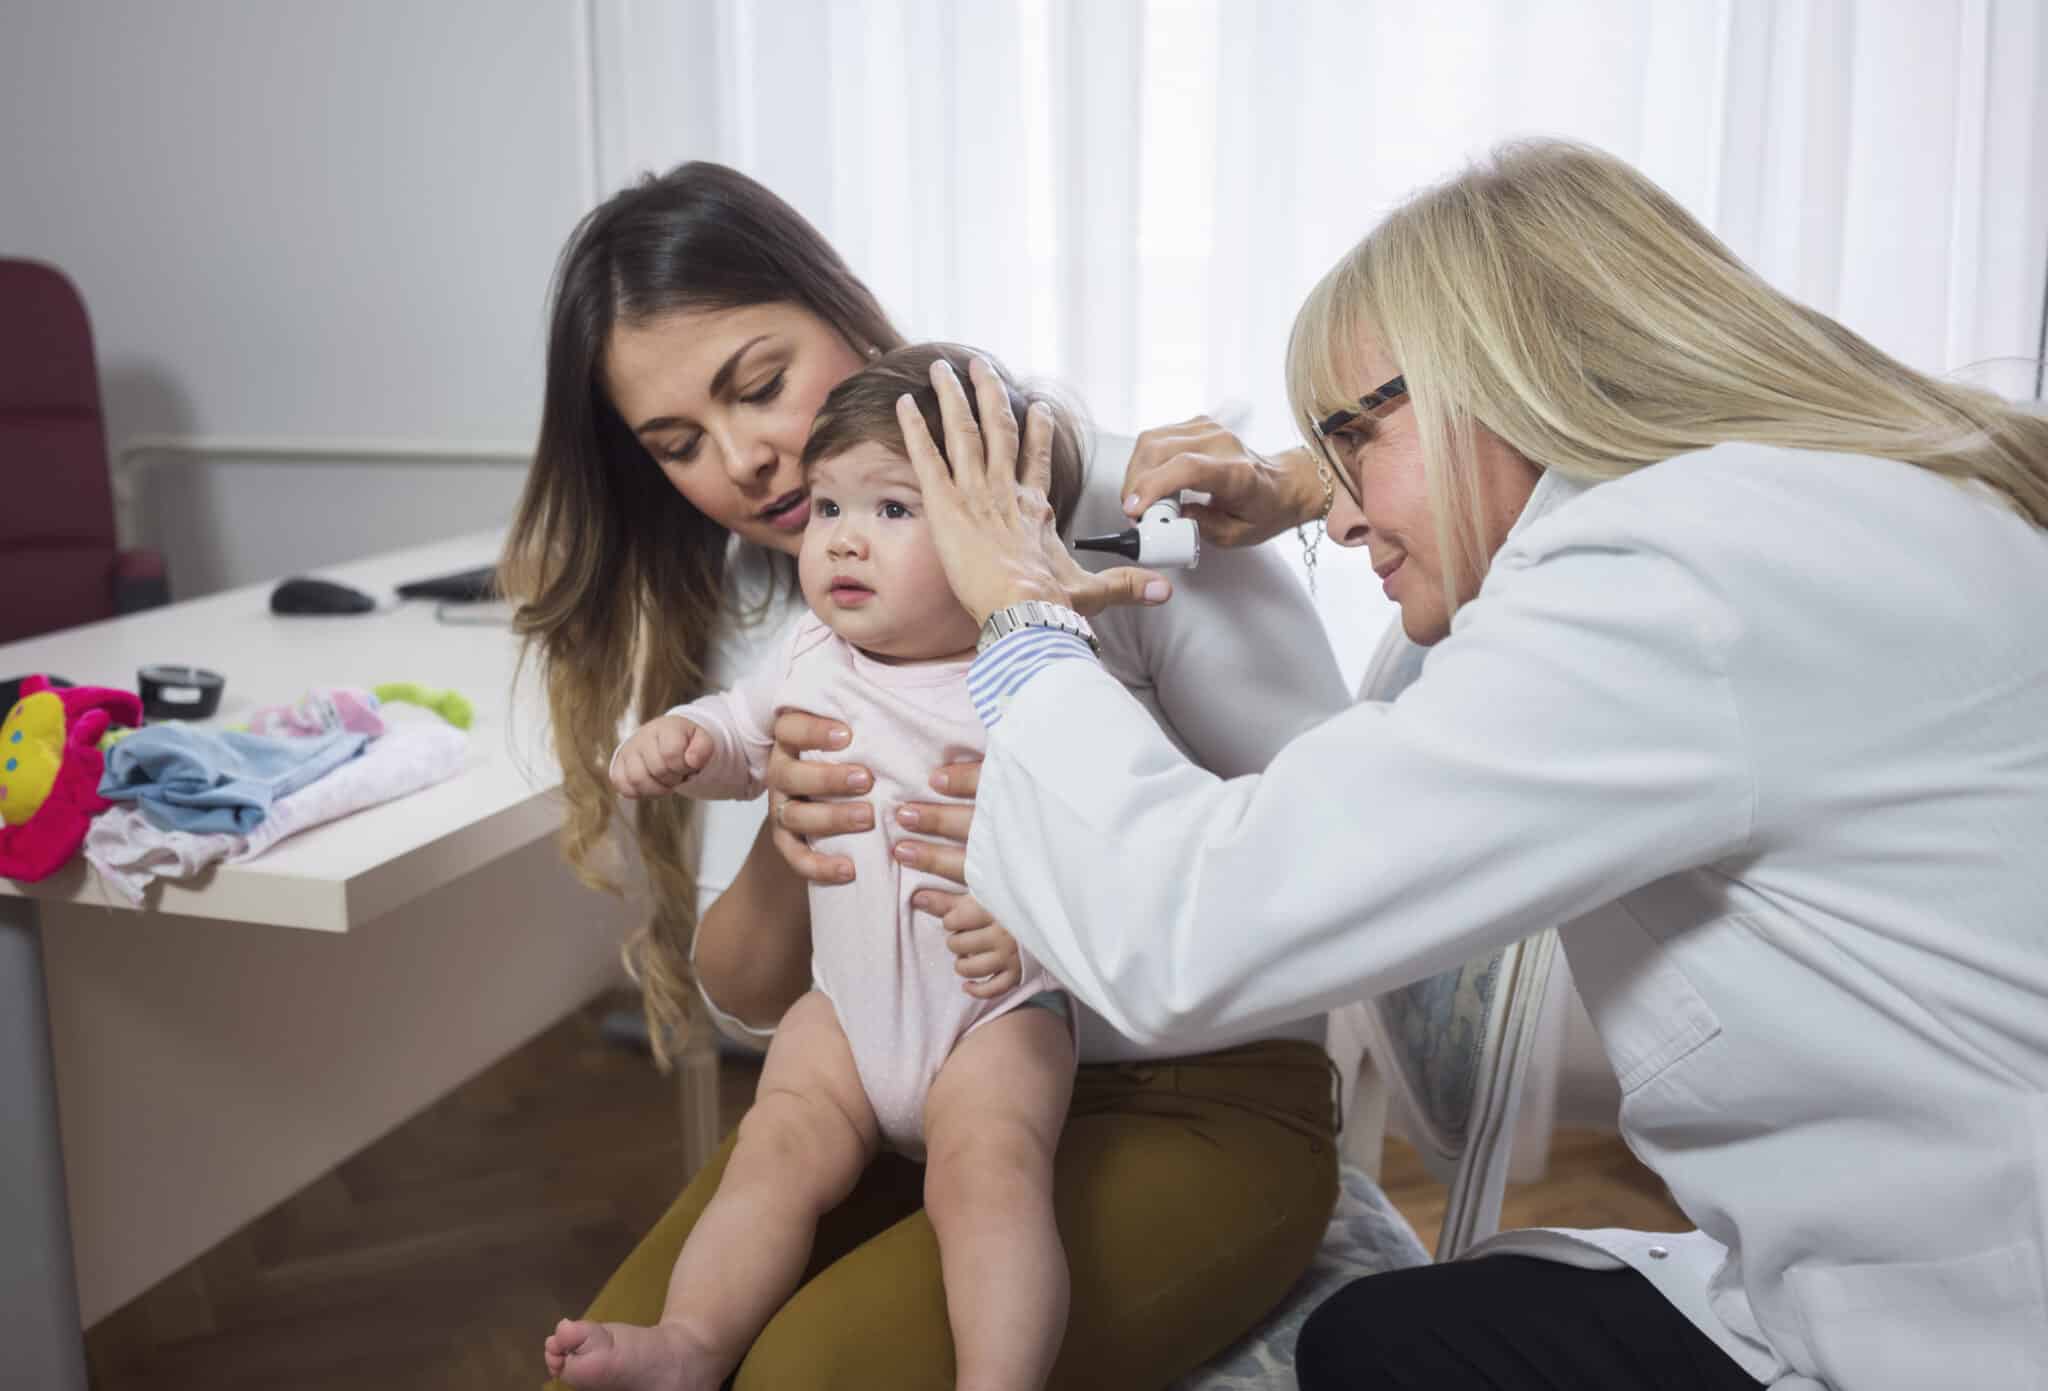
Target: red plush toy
x,y
50,767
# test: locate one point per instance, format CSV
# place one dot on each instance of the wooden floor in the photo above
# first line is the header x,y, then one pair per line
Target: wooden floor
x,y
440,1256
1593,1182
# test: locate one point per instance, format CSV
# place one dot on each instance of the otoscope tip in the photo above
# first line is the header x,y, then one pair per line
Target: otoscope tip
x,y
1124,543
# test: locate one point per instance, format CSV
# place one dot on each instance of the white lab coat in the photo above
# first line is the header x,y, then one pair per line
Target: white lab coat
x,y
1766,733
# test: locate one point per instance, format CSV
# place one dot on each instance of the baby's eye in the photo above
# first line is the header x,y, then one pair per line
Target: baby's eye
x,y
895,511
824,507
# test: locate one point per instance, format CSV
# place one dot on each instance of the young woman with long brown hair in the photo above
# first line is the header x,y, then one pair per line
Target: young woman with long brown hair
x,y
697,325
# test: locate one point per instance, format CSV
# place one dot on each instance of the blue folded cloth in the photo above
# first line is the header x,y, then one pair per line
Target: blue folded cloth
x,y
203,780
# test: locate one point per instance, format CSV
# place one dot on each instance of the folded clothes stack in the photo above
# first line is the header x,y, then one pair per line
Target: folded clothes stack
x,y
80,768
131,848
184,778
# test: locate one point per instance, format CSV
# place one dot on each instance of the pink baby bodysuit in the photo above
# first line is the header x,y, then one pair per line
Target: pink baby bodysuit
x,y
883,964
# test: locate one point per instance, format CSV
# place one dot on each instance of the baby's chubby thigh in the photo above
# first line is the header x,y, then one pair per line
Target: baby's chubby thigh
x,y
811,1131
995,1111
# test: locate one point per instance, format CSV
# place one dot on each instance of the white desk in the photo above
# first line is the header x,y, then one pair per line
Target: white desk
x,y
206,1065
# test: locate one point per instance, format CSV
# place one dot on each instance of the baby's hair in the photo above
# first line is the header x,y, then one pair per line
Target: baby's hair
x,y
862,410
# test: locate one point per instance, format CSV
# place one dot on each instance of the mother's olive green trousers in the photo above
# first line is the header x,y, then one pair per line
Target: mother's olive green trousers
x,y
1192,1192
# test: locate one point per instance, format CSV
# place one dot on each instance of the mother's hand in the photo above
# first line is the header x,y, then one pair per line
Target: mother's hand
x,y
1252,497
793,781
950,822
994,530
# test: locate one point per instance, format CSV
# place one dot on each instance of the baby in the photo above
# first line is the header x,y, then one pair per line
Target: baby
x,y
886,1049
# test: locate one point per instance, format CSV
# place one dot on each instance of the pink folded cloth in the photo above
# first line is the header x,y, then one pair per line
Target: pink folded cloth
x,y
321,711
130,853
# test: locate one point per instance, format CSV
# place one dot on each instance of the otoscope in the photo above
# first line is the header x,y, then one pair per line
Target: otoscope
x,y
1162,537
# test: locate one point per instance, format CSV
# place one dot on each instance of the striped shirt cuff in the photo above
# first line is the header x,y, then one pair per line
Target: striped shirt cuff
x,y
1001,671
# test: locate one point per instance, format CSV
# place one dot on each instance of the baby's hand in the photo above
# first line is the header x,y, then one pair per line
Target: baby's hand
x,y
661,756
985,953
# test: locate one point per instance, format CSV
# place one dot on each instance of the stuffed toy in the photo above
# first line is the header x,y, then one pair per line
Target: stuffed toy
x,y
331,709
451,706
50,767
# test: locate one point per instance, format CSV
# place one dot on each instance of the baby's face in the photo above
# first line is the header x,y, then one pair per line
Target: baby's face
x,y
868,565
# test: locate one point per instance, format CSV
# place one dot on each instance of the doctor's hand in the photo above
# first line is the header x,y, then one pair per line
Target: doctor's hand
x,y
990,519
794,782
659,757
984,954
1253,497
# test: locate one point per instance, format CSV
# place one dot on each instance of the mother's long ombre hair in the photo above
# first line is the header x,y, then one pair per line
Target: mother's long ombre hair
x,y
1563,300
621,583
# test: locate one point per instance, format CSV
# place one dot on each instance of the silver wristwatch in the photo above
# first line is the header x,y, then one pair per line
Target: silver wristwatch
x,y
1034,613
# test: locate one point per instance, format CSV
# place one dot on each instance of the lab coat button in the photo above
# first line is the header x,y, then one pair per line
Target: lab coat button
x,y
1658,1253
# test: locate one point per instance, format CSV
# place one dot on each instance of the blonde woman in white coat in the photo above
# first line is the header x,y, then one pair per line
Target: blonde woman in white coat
x,y
1737,674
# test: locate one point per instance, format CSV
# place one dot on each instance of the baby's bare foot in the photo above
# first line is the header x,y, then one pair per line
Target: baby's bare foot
x,y
629,1357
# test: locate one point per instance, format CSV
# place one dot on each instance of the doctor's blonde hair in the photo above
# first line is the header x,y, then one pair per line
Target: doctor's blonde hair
x,y
1557,296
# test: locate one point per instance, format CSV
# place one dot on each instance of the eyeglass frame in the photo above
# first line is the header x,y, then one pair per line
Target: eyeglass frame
x,y
1385,394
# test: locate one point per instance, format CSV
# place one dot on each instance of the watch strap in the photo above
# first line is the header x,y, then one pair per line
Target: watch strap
x,y
1034,613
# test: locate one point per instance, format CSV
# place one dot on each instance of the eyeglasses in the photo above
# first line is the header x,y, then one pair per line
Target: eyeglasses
x,y
1373,404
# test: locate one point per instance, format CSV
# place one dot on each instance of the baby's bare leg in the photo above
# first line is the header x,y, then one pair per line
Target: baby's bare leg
x,y
991,1125
802,1145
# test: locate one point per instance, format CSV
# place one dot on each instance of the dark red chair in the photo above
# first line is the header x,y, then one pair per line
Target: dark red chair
x,y
59,564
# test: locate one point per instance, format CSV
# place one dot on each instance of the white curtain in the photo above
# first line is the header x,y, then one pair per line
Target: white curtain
x,y
1131,196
